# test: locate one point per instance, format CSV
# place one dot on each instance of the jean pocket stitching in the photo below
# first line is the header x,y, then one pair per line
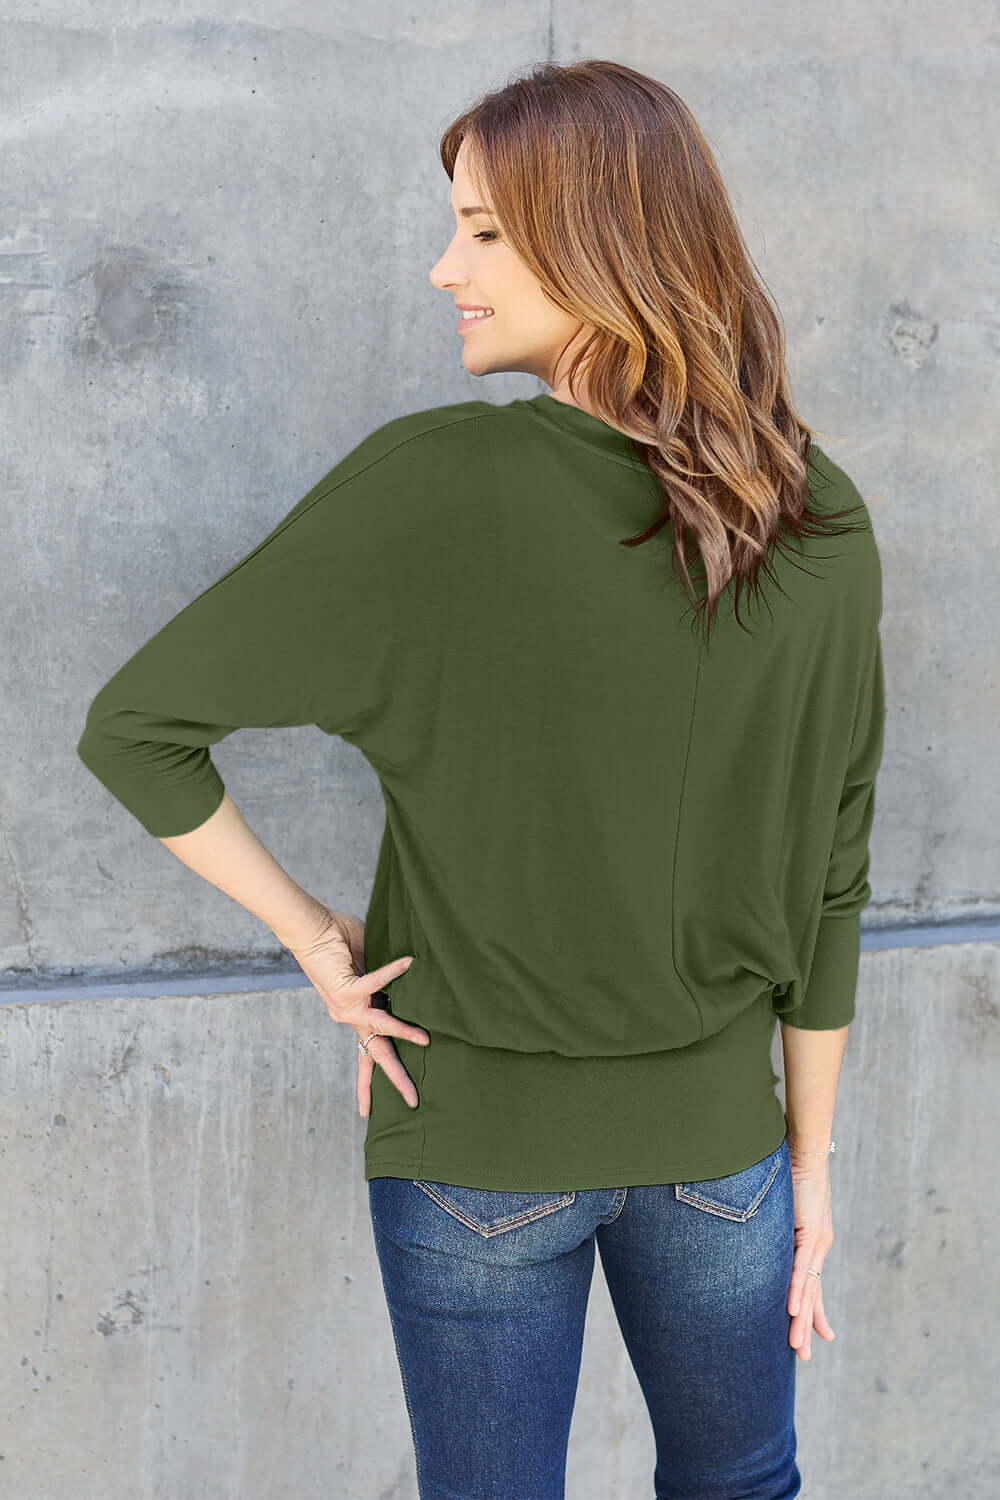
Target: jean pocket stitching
x,y
685,1192
513,1221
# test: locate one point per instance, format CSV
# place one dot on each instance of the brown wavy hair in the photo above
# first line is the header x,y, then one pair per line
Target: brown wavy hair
x,y
608,191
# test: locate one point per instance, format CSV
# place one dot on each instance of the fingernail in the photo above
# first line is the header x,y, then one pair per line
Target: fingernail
x,y
795,1308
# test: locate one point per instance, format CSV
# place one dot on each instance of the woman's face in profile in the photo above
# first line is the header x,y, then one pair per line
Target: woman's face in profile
x,y
522,329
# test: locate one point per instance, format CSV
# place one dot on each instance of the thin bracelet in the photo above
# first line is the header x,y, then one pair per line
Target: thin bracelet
x,y
832,1149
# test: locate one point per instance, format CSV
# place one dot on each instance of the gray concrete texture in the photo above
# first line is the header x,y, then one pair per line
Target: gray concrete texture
x,y
215,255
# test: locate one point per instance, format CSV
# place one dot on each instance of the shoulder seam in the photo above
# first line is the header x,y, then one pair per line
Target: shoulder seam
x,y
413,437
289,520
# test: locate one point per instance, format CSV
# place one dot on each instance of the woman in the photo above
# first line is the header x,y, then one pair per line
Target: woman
x,y
626,828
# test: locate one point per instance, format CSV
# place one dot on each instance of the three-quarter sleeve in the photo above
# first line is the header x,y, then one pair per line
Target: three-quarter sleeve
x,y
829,998
299,631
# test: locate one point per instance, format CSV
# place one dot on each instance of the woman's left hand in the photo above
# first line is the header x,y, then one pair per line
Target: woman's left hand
x,y
813,1238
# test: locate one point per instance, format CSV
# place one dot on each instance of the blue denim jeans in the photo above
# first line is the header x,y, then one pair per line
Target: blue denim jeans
x,y
487,1293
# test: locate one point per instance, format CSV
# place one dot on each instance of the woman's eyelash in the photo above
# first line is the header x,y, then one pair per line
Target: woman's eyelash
x,y
483,233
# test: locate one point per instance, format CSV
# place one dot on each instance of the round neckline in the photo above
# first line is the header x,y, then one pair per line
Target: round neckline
x,y
583,425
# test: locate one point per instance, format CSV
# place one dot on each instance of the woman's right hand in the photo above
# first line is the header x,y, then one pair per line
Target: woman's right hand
x,y
813,1238
334,960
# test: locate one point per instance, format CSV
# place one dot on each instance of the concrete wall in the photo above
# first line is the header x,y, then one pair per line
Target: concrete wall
x,y
215,255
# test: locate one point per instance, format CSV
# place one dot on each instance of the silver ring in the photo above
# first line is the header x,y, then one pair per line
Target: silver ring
x,y
812,1273
363,1046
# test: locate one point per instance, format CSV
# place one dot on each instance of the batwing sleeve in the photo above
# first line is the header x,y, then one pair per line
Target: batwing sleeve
x,y
829,999
300,631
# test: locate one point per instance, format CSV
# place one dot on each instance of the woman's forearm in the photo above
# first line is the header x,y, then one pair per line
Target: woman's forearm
x,y
227,853
812,1072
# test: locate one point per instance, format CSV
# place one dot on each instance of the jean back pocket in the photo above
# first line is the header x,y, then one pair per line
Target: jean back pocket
x,y
491,1211
737,1196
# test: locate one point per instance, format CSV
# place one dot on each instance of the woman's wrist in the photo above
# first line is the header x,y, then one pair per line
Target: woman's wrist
x,y
310,922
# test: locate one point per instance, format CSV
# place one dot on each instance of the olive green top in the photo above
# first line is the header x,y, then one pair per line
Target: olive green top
x,y
616,852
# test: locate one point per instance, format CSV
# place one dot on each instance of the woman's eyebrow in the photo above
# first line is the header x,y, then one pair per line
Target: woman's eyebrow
x,y
476,208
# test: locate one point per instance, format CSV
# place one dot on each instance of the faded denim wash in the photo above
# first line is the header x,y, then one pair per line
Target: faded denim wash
x,y
487,1293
